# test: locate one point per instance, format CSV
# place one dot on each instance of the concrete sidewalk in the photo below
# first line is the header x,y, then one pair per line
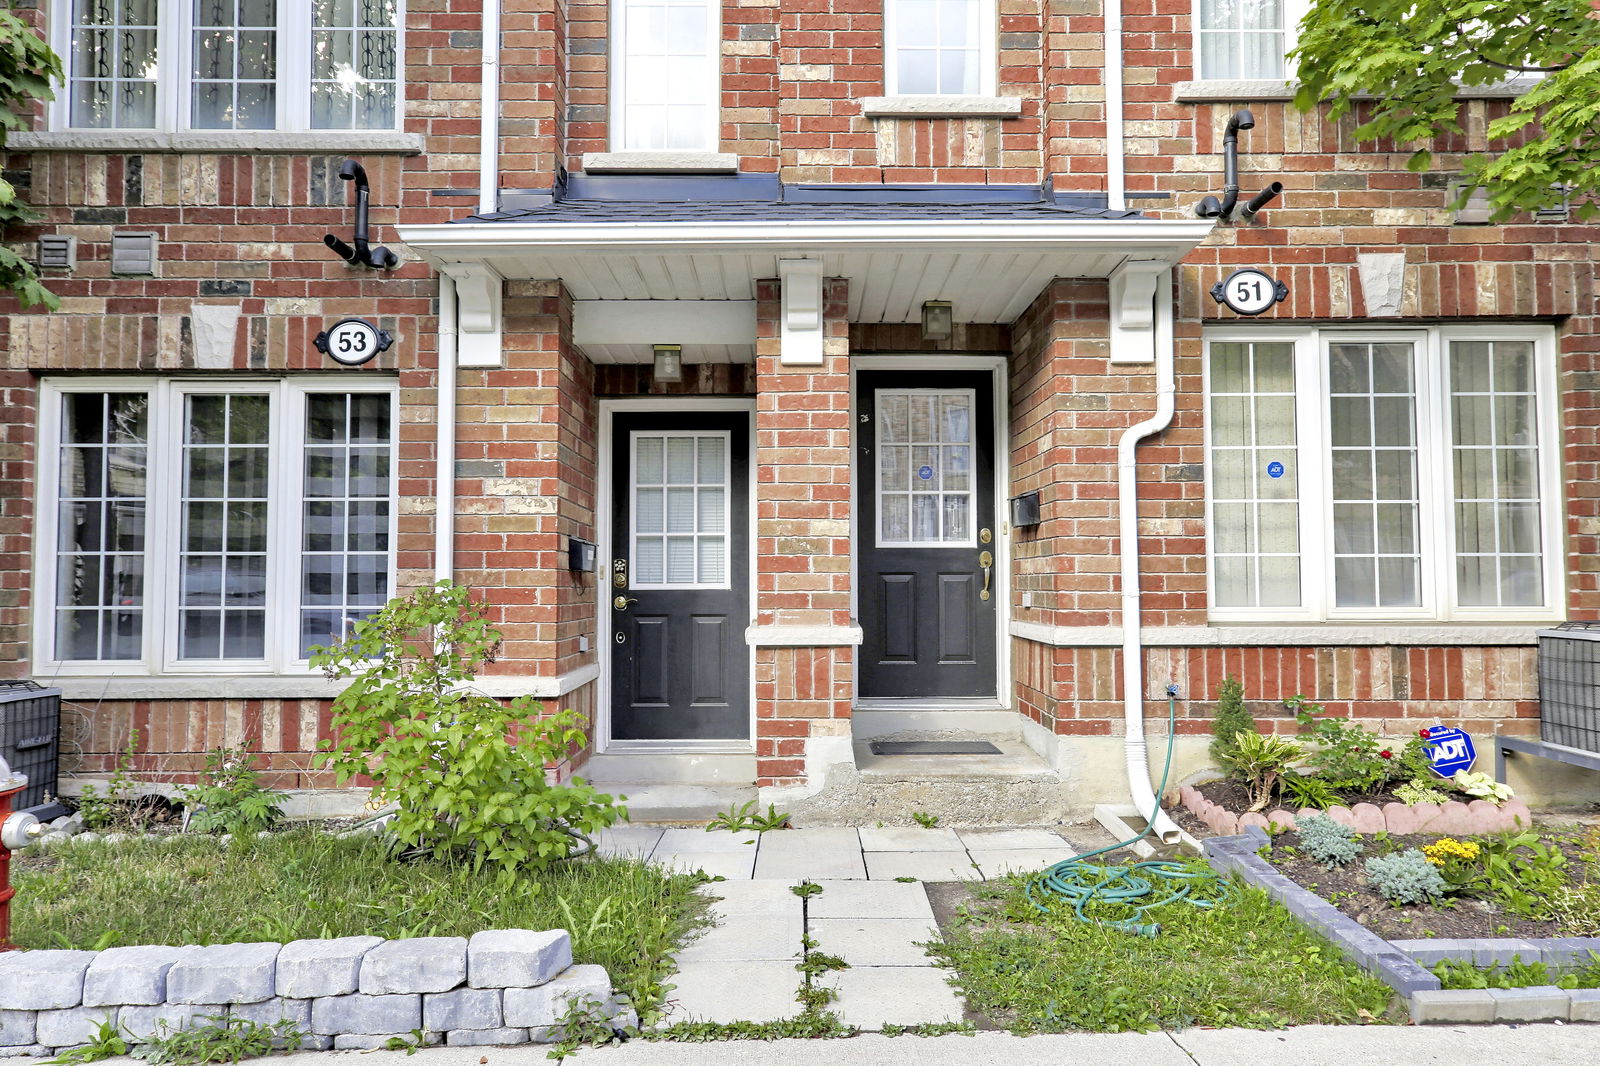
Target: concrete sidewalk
x,y
1313,1045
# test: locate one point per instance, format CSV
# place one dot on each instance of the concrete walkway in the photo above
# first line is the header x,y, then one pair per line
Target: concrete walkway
x,y
870,913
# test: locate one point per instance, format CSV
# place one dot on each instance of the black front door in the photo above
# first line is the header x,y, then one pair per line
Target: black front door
x,y
678,590
926,546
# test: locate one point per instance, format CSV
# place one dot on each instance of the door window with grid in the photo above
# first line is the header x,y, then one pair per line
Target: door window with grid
x,y
680,510
925,489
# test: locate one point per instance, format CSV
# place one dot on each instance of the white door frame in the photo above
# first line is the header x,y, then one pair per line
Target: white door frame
x,y
998,366
605,631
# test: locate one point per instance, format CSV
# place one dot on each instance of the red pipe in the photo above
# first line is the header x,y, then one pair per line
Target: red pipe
x,y
6,891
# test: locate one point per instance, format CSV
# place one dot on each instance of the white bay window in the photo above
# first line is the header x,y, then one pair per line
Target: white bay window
x,y
294,65
203,526
1382,475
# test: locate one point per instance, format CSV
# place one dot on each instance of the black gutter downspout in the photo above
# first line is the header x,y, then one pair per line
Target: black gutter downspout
x,y
1241,119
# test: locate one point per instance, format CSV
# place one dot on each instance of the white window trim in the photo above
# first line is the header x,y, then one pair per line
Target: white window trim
x,y
1313,453
1293,12
988,58
617,93
158,656
175,45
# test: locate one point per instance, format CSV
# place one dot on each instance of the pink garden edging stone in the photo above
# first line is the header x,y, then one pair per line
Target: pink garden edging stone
x,y
1450,818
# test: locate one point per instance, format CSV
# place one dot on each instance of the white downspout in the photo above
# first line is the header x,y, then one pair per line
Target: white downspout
x,y
1115,164
1135,748
489,129
444,477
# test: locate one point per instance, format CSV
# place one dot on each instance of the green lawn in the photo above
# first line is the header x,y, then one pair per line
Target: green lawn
x,y
623,914
1246,962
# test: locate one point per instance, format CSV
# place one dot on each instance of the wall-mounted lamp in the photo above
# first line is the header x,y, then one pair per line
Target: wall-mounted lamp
x,y
668,362
938,320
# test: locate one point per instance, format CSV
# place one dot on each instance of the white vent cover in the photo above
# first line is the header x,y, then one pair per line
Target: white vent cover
x,y
1475,212
133,253
57,252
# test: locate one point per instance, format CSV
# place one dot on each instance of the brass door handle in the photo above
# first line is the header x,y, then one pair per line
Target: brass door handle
x,y
986,560
621,602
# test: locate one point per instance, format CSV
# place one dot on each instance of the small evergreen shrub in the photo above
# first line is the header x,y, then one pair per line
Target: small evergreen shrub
x,y
1406,877
1328,842
1231,719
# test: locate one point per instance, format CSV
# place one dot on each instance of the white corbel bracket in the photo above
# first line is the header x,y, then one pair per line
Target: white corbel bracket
x,y
800,323
478,294
1133,321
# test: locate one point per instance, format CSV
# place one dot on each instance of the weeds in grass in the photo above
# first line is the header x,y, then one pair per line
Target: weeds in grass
x,y
408,1044
1455,973
749,816
623,914
229,797
111,809
1244,963
928,1029
106,1043
221,1039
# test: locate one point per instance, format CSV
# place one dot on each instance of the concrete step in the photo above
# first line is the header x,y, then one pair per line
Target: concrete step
x,y
672,768
680,804
908,720
1015,760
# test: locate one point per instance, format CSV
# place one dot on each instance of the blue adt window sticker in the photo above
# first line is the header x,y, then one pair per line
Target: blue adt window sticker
x,y
925,473
1274,469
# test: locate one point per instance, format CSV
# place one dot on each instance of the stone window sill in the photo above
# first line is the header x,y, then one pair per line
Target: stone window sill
x,y
660,163
1223,90
332,142
941,106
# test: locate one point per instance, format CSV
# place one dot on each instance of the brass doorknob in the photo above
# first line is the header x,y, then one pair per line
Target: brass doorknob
x,y
986,561
621,602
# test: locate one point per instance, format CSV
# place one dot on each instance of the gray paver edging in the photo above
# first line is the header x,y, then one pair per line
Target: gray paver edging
x,y
502,986
1403,964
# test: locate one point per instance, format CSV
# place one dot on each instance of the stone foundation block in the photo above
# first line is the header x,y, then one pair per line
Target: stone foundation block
x,y
517,958
141,1024
541,1007
308,969
227,973
1447,1006
133,975
485,1037
422,964
465,1008
71,1027
1537,1004
43,980
16,1028
275,1010
366,1015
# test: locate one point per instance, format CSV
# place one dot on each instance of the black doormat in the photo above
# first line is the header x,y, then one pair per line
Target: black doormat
x,y
933,747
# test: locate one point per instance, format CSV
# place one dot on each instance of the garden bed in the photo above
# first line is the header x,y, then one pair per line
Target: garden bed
x,y
1224,807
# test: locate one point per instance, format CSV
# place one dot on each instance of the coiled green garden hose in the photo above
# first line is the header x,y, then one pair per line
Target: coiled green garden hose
x,y
1083,883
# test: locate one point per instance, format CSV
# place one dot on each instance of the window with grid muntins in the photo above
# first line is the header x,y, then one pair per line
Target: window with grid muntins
x,y
939,47
668,75
925,487
680,510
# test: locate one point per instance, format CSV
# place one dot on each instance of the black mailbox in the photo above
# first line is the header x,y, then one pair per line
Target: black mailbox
x,y
580,555
1025,510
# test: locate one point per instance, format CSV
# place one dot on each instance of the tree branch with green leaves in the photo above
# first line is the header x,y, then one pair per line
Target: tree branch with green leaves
x,y
1398,65
27,69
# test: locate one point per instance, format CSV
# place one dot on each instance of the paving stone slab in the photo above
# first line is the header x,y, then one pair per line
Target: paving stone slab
x,y
870,899
725,992
1451,1006
900,995
909,838
16,1028
517,958
420,964
141,1024
1534,1004
366,1015
485,1037
875,941
636,841
755,939
924,866
308,969
464,1008
810,854
735,866
701,841
1585,1004
540,1008
1012,839
748,899
224,973
43,980
130,975
1019,860
71,1027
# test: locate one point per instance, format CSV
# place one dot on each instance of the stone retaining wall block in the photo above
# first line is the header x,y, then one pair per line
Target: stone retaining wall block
x,y
366,1015
129,976
485,1037
1537,1004
43,980
465,1008
72,1026
16,1027
1503,951
421,964
275,1010
141,1024
368,1041
226,973
517,958
539,1008
29,1051
1442,1006
308,969
1584,1004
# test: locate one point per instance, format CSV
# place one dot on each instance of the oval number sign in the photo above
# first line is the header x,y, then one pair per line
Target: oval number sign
x,y
1249,291
353,341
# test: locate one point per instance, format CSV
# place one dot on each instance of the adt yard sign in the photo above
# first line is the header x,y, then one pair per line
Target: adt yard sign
x,y
1450,750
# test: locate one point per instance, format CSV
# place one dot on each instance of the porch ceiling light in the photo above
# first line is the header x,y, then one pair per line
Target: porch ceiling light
x,y
938,320
668,362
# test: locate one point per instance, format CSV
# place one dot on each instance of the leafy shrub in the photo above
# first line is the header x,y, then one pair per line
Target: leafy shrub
x,y
467,771
113,808
1520,872
1326,841
1261,760
1406,877
1232,718
1347,756
1482,786
229,797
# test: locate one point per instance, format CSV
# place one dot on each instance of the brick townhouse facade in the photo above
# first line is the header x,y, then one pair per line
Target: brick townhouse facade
x,y
871,342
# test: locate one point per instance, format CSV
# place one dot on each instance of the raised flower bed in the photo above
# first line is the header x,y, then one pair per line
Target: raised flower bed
x,y
1452,817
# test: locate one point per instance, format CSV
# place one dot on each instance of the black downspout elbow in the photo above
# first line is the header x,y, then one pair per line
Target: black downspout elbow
x,y
362,252
1240,120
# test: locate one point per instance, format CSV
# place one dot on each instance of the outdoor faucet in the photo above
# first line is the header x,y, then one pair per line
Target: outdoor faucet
x,y
363,252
